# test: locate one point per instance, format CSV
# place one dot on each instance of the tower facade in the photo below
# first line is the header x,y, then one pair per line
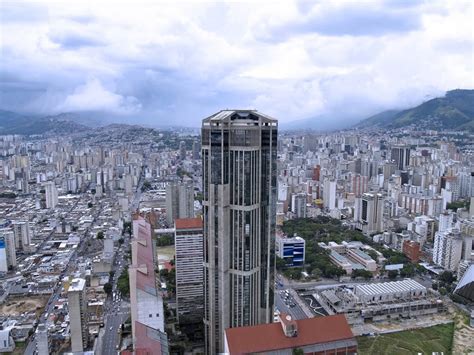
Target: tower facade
x,y
239,154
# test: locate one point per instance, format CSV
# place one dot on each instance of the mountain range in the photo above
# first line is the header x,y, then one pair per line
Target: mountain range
x,y
454,111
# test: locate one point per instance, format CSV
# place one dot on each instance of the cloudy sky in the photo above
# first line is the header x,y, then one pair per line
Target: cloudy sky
x,y
176,62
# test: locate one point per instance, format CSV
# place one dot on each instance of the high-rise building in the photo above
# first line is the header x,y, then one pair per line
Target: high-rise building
x,y
22,232
77,305
447,249
179,201
188,244
182,150
329,194
239,154
369,212
51,194
7,249
299,205
196,150
42,340
401,156
146,302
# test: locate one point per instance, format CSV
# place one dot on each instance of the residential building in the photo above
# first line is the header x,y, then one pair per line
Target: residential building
x,y
22,232
412,250
51,194
447,250
299,205
42,340
188,242
329,194
239,152
77,305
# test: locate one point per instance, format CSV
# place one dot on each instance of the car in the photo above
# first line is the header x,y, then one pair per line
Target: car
x,y
111,328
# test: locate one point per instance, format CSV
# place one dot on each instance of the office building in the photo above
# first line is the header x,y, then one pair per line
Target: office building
x,y
188,243
401,156
368,213
77,305
51,194
182,150
179,201
239,154
291,250
196,150
7,250
447,250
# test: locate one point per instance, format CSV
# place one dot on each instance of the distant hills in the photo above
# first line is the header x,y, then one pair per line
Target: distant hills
x,y
64,123
454,111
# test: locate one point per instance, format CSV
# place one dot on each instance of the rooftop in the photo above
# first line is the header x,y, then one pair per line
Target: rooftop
x,y
77,285
232,115
188,223
269,337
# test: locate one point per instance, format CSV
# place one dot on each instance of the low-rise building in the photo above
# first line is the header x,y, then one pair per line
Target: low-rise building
x,y
319,335
292,250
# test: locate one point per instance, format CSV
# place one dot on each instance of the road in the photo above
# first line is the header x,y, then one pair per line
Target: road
x,y
116,309
295,311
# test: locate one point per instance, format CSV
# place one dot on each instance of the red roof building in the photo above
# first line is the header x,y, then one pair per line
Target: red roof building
x,y
320,335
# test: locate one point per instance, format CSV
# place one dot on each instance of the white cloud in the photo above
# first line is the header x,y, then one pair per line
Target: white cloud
x,y
92,96
180,59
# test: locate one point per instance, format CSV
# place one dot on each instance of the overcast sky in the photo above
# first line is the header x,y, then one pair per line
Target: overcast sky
x,y
161,62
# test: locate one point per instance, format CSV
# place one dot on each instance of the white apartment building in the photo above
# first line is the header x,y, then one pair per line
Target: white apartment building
x,y
189,270
447,250
77,305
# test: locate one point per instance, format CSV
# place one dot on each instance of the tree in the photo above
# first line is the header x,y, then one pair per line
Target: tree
x,y
146,186
446,277
361,273
408,270
108,288
89,205
121,241
373,254
280,263
100,235
392,274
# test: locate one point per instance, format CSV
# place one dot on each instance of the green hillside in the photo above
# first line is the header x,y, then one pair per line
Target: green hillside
x,y
455,111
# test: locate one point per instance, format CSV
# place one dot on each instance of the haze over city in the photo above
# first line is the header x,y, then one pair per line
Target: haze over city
x,y
160,62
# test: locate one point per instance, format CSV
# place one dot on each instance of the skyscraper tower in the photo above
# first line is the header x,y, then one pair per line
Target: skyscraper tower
x,y
239,153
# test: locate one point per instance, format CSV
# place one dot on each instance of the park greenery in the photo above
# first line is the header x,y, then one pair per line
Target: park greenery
x,y
436,339
123,283
458,204
326,229
165,240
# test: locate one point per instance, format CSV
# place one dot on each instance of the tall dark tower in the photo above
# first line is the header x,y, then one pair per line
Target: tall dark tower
x,y
239,153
